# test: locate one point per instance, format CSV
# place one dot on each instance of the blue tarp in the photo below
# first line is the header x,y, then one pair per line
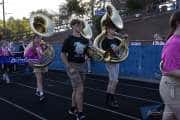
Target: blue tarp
x,y
142,62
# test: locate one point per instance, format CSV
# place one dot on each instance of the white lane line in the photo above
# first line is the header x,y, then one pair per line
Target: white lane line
x,y
23,109
102,91
94,106
125,84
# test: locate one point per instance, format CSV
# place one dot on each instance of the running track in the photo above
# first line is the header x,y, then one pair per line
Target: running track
x,y
18,102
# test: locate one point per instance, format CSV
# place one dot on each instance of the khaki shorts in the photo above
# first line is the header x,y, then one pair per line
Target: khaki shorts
x,y
170,94
42,70
78,76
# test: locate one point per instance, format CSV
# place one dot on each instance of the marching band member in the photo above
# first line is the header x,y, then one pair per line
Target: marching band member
x,y
170,67
1,59
34,51
113,48
111,44
73,56
5,53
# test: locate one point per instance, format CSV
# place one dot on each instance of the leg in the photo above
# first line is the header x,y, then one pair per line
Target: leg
x,y
114,86
79,101
73,78
5,75
89,65
114,102
114,77
113,70
108,92
39,82
80,93
73,109
73,97
109,86
79,97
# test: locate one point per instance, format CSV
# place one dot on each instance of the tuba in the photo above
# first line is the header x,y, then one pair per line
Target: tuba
x,y
41,25
123,51
91,51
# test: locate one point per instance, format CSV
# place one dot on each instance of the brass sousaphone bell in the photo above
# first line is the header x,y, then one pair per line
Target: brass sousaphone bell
x,y
112,15
42,25
91,51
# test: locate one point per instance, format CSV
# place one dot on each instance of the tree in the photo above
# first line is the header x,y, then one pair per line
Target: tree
x,y
75,7
91,4
17,27
80,9
43,11
72,7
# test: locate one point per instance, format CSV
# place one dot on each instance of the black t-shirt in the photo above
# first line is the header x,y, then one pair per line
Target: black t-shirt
x,y
108,44
76,48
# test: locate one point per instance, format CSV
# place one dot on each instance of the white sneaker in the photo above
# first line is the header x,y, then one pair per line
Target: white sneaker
x,y
7,79
4,76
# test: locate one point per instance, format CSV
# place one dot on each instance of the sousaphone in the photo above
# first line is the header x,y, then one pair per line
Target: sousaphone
x,y
42,25
113,16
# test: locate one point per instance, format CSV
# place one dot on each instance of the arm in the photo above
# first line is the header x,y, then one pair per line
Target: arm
x,y
64,58
65,61
39,52
64,52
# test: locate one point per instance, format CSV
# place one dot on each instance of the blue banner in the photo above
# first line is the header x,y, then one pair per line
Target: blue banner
x,y
13,60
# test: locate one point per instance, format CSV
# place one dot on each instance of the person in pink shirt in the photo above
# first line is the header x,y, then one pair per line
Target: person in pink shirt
x,y
170,67
33,52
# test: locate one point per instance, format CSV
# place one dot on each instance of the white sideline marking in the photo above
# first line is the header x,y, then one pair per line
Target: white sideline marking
x,y
23,109
132,97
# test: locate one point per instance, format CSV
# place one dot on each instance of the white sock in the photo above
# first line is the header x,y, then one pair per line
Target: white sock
x,y
41,93
37,90
7,79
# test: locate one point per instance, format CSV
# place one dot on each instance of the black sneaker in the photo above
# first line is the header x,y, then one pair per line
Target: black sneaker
x,y
80,116
72,111
114,104
41,97
37,93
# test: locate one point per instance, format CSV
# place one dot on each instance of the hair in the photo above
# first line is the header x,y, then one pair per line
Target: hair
x,y
33,42
76,21
175,17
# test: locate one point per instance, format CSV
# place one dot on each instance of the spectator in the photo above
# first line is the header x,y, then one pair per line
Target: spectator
x,y
158,40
